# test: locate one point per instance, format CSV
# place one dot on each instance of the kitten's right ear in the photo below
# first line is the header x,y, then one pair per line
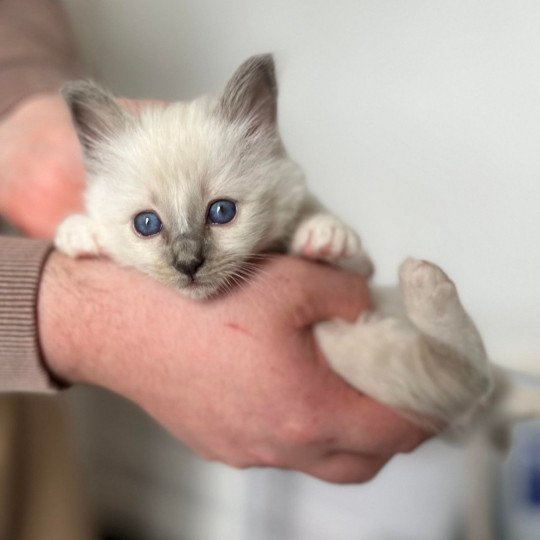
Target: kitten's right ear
x,y
94,111
250,97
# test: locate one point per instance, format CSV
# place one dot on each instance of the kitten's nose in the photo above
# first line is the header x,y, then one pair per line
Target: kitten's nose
x,y
189,267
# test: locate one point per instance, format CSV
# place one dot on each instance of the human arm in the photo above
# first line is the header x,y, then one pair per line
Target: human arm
x,y
238,379
41,171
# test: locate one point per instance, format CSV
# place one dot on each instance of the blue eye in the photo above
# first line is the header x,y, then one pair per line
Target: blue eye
x,y
221,212
147,223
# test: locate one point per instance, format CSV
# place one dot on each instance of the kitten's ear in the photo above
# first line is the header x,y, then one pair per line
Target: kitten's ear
x,y
251,94
94,111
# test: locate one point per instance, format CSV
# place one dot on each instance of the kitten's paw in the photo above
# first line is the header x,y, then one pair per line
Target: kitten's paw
x,y
325,237
427,291
433,306
76,236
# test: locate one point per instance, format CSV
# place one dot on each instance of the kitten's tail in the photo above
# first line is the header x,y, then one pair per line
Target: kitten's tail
x,y
511,402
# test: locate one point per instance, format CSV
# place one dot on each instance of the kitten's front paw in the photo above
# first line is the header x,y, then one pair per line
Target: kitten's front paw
x,y
76,236
325,237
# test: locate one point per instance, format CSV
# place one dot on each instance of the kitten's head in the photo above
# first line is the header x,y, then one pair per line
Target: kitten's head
x,y
189,192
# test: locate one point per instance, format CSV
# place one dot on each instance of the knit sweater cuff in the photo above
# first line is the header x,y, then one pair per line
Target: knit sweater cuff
x,y
21,365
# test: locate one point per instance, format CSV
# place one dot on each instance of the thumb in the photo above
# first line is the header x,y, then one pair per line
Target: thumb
x,y
332,293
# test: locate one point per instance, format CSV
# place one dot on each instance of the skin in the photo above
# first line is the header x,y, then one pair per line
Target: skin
x,y
41,166
239,378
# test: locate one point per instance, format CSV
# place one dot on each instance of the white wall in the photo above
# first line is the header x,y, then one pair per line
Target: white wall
x,y
417,121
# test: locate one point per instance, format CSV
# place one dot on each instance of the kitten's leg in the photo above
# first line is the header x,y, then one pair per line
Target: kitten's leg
x,y
323,236
373,354
458,363
390,361
432,303
433,370
78,236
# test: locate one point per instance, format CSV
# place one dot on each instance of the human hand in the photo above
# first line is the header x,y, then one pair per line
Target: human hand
x,y
41,164
41,167
238,378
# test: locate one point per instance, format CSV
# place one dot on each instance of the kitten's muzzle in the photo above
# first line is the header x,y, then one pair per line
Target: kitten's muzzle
x,y
190,267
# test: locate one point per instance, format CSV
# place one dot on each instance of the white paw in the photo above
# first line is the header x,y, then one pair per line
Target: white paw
x,y
325,237
76,236
433,306
427,291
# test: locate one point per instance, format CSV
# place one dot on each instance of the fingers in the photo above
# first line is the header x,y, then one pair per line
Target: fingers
x,y
324,292
361,424
346,468
349,437
335,293
360,452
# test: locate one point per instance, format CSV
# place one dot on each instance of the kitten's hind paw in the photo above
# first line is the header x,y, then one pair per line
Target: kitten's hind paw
x,y
426,289
77,236
432,304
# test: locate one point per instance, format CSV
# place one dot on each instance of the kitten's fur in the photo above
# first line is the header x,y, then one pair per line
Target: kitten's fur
x,y
418,352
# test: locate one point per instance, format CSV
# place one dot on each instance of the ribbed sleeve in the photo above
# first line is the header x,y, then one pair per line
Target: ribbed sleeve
x,y
21,365
37,51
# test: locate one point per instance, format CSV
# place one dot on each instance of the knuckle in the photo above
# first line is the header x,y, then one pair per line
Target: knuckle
x,y
299,431
413,442
369,473
268,457
301,303
408,446
299,294
206,455
359,295
349,475
228,455
237,462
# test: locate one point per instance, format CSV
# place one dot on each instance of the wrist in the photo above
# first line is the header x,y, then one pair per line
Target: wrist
x,y
76,309
95,318
54,311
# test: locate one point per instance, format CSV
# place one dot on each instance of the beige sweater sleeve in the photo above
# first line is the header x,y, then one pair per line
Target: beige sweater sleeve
x,y
21,365
37,52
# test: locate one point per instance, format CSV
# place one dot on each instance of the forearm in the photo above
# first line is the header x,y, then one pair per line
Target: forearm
x,y
37,51
77,321
92,320
110,326
21,366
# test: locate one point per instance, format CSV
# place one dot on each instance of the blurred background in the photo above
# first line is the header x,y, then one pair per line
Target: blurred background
x,y
418,123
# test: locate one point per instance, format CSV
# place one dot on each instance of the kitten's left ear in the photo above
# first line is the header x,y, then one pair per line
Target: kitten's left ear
x,y
95,113
250,96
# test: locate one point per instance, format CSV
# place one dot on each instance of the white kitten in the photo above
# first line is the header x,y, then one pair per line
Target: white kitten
x,y
189,192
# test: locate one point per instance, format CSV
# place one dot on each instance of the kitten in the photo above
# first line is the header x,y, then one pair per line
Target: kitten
x,y
188,193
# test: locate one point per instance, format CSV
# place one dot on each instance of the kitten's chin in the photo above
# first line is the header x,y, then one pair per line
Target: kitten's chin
x,y
197,291
194,290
